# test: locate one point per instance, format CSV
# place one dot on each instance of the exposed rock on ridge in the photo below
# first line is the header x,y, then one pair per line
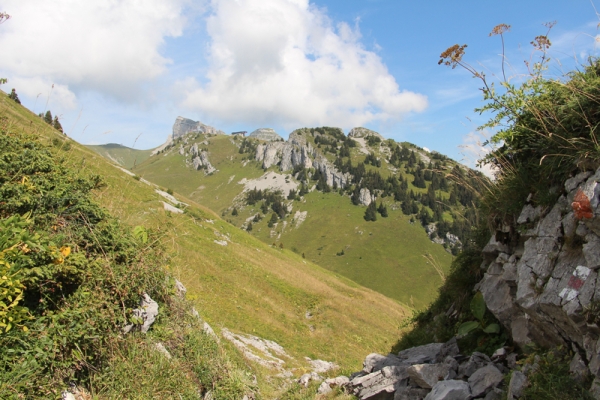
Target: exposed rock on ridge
x,y
183,126
297,152
266,134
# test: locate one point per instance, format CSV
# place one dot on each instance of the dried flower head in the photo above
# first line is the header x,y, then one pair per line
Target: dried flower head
x,y
541,43
499,29
452,56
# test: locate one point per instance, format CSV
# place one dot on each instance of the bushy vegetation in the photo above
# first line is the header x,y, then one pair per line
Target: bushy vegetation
x,y
70,277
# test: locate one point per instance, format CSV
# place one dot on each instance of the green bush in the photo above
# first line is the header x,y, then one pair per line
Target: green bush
x,y
73,274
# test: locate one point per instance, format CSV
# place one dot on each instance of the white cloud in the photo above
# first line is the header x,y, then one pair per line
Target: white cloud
x,y
108,46
283,62
473,150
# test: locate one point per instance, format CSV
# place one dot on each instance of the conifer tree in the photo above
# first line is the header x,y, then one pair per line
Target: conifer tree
x,y
371,212
13,96
382,210
48,117
249,227
56,124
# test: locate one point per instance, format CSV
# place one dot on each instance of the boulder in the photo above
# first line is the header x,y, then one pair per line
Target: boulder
x,y
421,354
364,197
518,381
475,362
379,385
485,379
410,393
450,390
427,376
374,362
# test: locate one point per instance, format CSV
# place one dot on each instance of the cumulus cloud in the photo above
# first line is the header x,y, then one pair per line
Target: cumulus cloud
x,y
285,62
473,150
108,46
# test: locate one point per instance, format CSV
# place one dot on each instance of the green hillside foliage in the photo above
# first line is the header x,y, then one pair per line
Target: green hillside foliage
x,y
390,254
88,239
70,276
121,155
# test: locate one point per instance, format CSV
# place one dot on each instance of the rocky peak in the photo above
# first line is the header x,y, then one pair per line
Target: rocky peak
x,y
183,126
364,133
266,134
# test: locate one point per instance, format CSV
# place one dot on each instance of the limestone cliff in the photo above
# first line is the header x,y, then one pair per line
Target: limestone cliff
x,y
541,280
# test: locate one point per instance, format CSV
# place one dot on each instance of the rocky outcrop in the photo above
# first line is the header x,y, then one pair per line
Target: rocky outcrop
x,y
183,126
144,316
363,133
364,197
266,134
540,279
296,152
434,372
200,160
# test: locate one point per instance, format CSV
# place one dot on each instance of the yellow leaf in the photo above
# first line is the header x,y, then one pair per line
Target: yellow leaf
x,y
25,329
65,250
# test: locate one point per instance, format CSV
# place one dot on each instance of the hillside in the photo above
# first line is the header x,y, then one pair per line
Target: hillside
x,y
314,191
122,155
234,280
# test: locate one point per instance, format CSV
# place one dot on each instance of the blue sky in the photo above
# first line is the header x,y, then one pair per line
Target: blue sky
x,y
124,70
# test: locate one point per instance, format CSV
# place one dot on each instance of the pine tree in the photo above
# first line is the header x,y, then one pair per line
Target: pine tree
x,y
48,117
234,212
273,220
249,227
56,124
382,210
13,96
371,212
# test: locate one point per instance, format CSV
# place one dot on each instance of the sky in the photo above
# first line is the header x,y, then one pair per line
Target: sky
x,y
121,71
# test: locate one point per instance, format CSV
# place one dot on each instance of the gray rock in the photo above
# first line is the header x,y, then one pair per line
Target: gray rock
x,y
381,384
427,375
450,390
410,393
374,362
181,290
518,381
266,134
450,348
591,251
572,183
162,349
305,379
529,214
578,368
364,197
484,379
146,313
421,354
363,133
324,388
475,362
494,394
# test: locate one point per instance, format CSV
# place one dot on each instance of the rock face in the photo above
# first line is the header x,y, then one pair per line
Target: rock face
x,y
266,134
297,152
538,283
183,126
363,133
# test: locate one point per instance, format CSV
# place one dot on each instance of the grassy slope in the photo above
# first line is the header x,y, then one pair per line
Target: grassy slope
x,y
388,257
246,286
122,155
